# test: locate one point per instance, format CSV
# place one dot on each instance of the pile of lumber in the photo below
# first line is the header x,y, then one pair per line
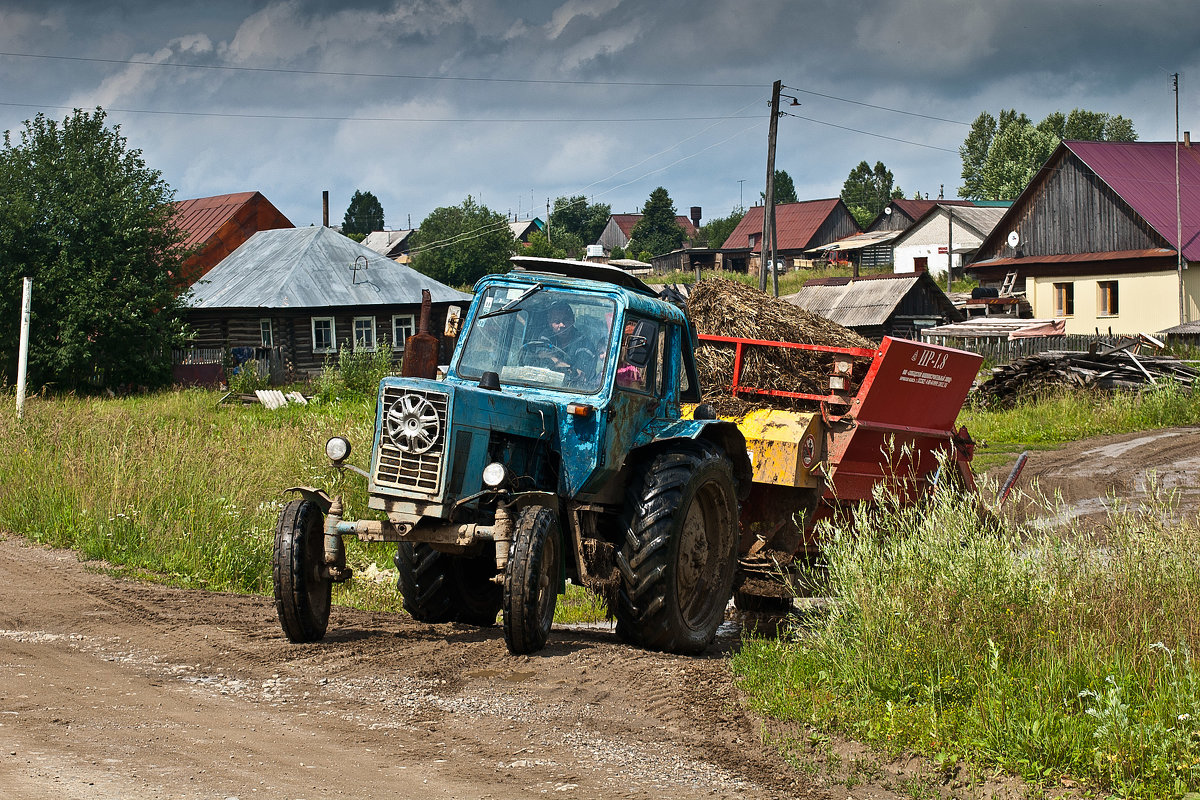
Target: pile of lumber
x,y
1104,368
722,307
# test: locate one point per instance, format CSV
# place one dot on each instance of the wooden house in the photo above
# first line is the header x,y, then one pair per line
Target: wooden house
x,y
1098,238
897,216
800,228
879,305
944,235
216,226
620,228
391,244
311,291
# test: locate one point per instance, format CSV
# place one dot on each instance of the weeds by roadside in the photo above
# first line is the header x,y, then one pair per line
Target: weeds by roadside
x,y
1048,654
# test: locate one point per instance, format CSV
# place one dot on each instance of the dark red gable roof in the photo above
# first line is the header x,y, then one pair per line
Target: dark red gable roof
x,y
219,225
626,223
795,224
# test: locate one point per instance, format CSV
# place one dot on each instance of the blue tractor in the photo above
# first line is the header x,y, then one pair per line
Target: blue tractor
x,y
553,449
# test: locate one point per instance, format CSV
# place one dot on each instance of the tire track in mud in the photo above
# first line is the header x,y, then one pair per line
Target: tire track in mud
x,y
182,693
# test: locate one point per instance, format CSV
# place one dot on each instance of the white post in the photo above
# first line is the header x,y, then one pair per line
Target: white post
x,y
23,353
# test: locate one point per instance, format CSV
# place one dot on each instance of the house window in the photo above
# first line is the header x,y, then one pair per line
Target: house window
x,y
1064,299
364,333
1108,300
403,326
266,333
323,334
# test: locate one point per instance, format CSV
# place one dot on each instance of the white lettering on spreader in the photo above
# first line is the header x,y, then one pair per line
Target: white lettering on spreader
x,y
925,378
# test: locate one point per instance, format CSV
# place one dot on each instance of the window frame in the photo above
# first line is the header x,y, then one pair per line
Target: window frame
x,y
332,348
374,343
398,341
1064,299
266,332
1108,299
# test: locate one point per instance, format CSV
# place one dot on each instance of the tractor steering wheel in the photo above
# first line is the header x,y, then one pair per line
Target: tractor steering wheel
x,y
541,352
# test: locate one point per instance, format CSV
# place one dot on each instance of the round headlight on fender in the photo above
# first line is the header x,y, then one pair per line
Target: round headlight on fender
x,y
495,475
338,449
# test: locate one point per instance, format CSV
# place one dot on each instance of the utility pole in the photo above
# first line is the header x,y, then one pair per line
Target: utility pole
x,y
950,249
740,203
23,352
1178,211
768,231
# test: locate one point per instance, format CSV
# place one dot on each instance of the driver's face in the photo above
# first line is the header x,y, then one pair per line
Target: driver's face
x,y
559,323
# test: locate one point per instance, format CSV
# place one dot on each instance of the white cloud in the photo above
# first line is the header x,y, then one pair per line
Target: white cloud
x,y
572,9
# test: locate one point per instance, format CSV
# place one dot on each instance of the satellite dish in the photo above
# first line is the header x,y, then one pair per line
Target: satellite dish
x,y
1014,238
888,210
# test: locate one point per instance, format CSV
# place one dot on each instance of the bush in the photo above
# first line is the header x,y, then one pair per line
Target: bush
x,y
356,375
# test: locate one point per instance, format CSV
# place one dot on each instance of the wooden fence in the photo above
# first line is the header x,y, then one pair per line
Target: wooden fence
x,y
1000,350
208,364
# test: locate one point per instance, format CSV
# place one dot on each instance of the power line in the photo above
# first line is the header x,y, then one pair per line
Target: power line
x,y
330,118
867,133
401,76
879,108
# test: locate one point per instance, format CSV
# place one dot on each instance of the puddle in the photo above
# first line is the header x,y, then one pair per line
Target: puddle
x,y
1118,449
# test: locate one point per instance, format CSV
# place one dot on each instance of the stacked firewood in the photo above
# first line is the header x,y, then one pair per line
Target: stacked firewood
x,y
1105,368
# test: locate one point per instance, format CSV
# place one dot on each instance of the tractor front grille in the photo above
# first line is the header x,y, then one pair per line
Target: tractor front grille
x,y
403,462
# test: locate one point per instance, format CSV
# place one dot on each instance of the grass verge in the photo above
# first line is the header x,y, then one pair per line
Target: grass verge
x,y
1053,656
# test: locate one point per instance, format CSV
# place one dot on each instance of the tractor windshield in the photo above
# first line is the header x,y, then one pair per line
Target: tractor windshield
x,y
549,339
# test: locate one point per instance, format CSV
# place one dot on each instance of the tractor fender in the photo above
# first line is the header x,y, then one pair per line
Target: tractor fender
x,y
318,496
722,433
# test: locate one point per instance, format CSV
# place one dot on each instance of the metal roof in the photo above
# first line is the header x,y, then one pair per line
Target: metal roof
x,y
1143,174
795,224
627,222
202,217
388,243
311,268
858,241
864,301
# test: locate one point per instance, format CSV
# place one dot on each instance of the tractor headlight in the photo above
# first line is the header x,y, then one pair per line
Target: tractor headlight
x,y
338,449
495,475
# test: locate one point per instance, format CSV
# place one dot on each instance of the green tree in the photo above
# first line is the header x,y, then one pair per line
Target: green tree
x,y
1000,156
714,232
93,225
785,189
458,245
576,216
867,191
540,247
658,231
364,215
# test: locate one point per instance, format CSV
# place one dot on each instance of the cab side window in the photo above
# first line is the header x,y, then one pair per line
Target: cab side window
x,y
639,365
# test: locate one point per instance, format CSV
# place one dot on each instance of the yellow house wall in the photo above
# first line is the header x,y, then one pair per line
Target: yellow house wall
x,y
1147,301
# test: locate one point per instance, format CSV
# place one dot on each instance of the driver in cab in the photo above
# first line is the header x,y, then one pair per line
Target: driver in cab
x,y
570,354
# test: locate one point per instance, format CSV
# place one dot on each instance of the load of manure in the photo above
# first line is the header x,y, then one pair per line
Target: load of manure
x,y
723,307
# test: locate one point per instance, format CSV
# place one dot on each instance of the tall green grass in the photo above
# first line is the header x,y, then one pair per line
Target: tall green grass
x,y
1048,654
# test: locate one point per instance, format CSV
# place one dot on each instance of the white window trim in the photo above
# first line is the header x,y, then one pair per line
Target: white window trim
x,y
332,334
270,332
398,341
374,337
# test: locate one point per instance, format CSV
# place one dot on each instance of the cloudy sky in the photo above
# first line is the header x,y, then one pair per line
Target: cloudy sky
x,y
423,102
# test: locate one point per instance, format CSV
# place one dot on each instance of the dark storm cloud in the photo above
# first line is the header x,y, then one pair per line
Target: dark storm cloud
x,y
936,58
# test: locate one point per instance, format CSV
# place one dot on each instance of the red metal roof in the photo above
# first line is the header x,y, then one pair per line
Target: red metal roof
x,y
626,222
795,224
1075,258
1143,174
218,225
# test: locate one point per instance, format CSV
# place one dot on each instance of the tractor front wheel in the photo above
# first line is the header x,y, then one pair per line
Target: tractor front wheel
x,y
302,592
680,552
531,580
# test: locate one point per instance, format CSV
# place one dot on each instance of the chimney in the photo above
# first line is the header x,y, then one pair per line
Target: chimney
x,y
696,216
325,208
1187,138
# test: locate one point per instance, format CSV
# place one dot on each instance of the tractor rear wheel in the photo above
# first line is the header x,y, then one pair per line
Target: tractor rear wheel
x,y
302,593
680,551
531,580
438,587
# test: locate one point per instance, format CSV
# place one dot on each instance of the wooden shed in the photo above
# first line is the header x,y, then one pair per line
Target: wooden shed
x,y
879,305
800,227
310,291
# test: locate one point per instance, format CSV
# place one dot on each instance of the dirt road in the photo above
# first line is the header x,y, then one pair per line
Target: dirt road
x,y
114,689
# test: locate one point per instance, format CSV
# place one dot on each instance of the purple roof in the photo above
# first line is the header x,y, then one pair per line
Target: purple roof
x,y
1143,174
